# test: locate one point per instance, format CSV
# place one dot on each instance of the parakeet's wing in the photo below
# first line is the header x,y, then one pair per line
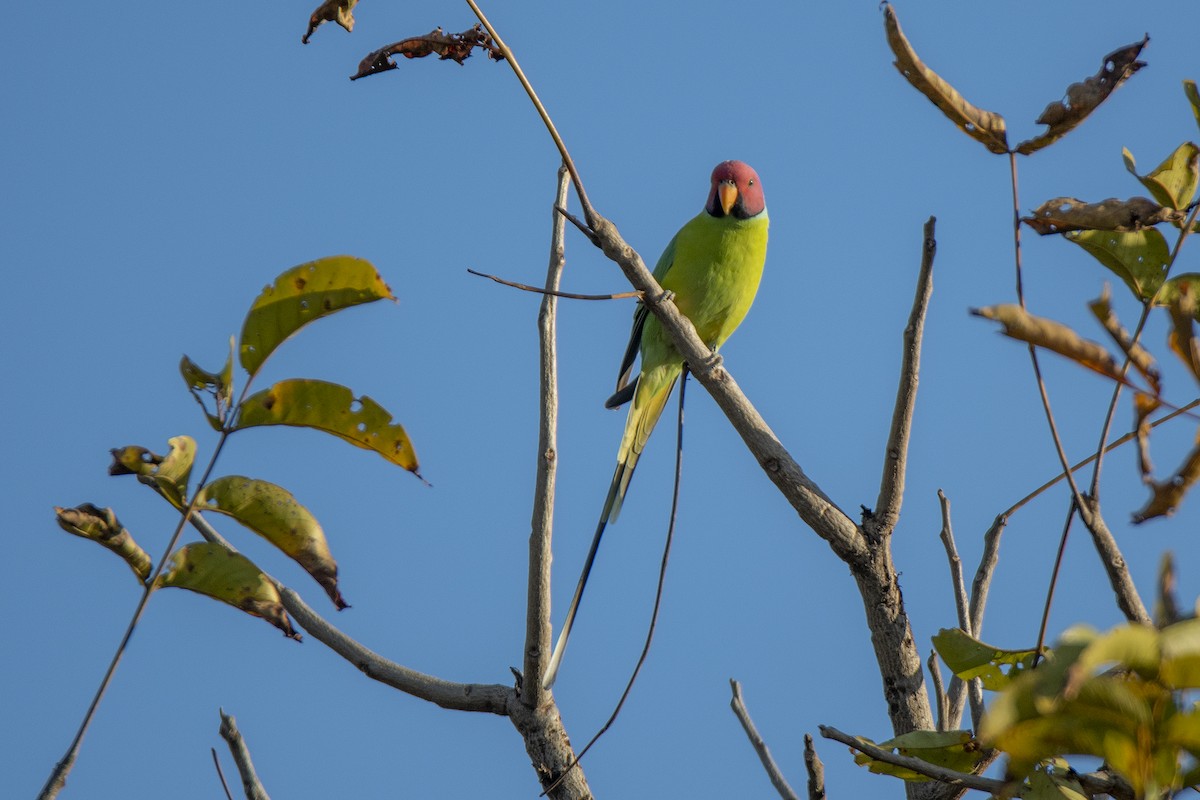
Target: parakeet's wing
x,y
625,385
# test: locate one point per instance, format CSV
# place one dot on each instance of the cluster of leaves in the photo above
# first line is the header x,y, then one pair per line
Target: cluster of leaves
x,y
297,297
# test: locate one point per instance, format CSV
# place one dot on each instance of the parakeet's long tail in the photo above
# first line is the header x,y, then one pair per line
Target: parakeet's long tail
x,y
647,408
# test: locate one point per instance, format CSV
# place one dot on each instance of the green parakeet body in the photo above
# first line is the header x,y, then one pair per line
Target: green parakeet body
x,y
713,266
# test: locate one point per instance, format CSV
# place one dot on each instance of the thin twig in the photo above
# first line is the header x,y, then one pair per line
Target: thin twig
x,y
221,774
537,614
658,591
554,292
251,785
943,774
895,459
764,753
1058,560
815,769
984,572
939,693
959,689
588,212
1094,491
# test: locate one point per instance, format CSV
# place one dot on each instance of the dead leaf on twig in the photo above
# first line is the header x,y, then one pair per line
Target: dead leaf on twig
x,y
339,11
1050,335
1143,406
455,47
1166,495
1062,116
1138,356
1064,214
984,126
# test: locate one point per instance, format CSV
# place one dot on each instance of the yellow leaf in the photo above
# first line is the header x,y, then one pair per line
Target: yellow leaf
x,y
102,526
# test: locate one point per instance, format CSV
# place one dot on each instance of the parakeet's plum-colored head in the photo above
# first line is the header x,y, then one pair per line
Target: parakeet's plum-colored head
x,y
736,191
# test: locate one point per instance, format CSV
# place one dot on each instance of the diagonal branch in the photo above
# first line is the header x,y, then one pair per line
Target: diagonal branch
x,y
537,615
958,688
251,785
1128,599
895,460
764,753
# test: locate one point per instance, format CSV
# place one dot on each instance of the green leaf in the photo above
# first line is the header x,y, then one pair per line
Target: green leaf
x,y
218,385
1173,182
1054,783
1139,258
102,526
1193,96
970,658
303,294
1187,283
272,512
1181,655
332,408
1133,647
168,473
955,750
211,570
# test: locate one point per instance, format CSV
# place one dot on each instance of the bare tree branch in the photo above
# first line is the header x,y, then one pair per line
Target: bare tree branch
x,y
764,753
895,458
958,688
939,693
1115,567
983,573
816,770
943,774
251,785
537,614
492,698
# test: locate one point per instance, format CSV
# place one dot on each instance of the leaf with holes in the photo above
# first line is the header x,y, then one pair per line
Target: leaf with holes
x,y
169,473
970,658
303,294
210,569
1062,116
985,127
1064,214
273,513
1139,258
332,408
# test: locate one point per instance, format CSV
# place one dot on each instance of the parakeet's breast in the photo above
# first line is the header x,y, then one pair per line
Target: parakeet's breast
x,y
718,263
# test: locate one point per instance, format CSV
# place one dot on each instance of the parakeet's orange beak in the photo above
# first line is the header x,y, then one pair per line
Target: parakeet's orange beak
x,y
728,194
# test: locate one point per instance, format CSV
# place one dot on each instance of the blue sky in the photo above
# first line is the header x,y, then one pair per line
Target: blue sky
x,y
162,165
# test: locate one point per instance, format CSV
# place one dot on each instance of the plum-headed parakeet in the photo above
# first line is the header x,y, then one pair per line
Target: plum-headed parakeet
x,y
713,266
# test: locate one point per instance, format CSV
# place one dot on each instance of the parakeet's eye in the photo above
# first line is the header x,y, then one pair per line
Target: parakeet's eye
x,y
751,182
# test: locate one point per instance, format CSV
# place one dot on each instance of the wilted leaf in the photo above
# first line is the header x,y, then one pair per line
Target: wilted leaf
x,y
970,658
304,294
455,47
983,126
102,526
956,750
221,574
169,473
1082,99
1050,335
339,11
334,409
1143,406
1063,214
1173,182
1139,258
272,512
218,385
1166,609
1165,496
1182,339
1138,356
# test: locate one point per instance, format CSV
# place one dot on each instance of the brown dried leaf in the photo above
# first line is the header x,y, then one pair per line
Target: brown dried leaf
x,y
1083,98
339,11
1050,335
102,526
1141,359
985,127
1064,214
1166,496
455,47
1182,338
1143,406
